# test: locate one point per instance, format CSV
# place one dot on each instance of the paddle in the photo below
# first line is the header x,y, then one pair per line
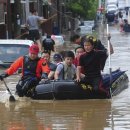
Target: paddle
x,y
11,98
110,69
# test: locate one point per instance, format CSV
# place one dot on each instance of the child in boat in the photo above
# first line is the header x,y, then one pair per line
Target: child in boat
x,y
66,70
57,58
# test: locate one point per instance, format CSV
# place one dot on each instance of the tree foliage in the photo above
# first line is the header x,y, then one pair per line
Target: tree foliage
x,y
85,8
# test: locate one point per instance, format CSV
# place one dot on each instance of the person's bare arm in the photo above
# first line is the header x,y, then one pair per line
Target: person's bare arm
x,y
78,74
42,20
56,75
111,47
51,75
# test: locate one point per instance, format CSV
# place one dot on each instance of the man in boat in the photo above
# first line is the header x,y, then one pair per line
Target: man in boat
x,y
52,67
91,62
79,51
66,70
31,71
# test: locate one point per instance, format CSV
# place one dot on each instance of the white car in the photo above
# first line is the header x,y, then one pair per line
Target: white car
x,y
11,49
112,8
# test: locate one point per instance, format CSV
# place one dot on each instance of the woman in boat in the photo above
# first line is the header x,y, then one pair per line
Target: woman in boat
x,y
31,71
91,61
66,70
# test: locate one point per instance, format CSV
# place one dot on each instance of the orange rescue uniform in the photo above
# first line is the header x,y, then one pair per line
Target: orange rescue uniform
x,y
41,67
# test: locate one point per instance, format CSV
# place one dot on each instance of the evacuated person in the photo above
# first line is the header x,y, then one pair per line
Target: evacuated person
x,y
77,39
97,44
57,58
78,51
52,67
66,70
31,71
91,62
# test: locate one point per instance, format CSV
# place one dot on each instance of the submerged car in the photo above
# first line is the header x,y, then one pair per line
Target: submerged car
x,y
10,50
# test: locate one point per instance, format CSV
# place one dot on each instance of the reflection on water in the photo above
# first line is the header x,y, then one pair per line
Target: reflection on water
x,y
57,115
64,115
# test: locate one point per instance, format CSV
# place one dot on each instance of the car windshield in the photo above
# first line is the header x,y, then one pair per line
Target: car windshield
x,y
10,52
112,6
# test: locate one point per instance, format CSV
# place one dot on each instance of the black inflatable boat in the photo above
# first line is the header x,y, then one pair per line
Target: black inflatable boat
x,y
61,90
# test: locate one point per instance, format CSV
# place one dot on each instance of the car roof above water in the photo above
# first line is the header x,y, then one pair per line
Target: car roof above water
x,y
17,42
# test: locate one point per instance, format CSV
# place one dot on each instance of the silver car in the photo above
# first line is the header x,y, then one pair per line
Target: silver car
x,y
11,49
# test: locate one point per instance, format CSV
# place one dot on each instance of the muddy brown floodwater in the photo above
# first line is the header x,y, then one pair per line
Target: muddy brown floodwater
x,y
112,114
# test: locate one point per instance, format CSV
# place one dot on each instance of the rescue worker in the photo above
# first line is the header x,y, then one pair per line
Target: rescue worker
x,y
31,66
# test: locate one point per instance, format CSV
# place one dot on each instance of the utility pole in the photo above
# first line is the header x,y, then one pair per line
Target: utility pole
x,y
17,18
63,15
27,9
58,16
9,21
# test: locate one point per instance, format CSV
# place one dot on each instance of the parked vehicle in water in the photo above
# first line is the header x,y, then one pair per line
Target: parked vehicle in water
x,y
111,12
11,49
112,8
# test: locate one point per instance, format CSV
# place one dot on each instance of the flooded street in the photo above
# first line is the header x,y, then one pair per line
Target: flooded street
x,y
112,114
